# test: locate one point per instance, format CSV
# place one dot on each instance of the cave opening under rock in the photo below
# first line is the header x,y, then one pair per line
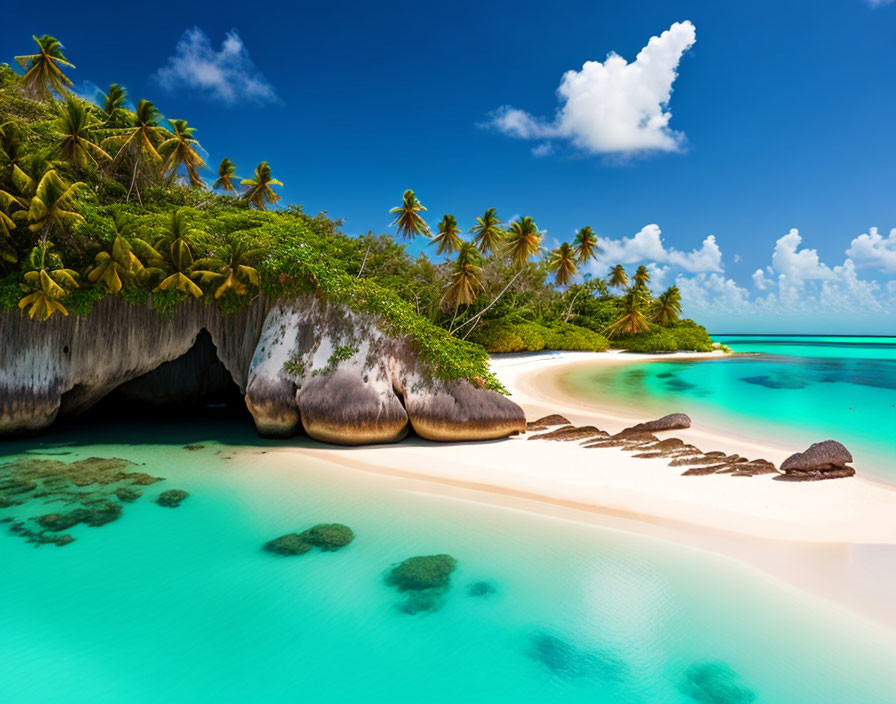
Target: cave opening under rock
x,y
195,385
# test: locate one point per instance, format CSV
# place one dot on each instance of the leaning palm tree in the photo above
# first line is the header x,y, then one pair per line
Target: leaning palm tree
x,y
563,264
76,129
632,320
408,221
258,189
641,278
618,277
667,307
226,174
234,269
43,74
51,208
523,240
114,101
447,238
180,150
585,244
487,233
46,283
465,284
139,143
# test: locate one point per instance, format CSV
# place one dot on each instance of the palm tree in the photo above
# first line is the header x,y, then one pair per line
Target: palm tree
x,y
407,217
114,101
234,268
51,206
618,277
75,130
7,225
465,284
182,271
641,278
488,235
226,174
46,283
43,74
523,240
258,190
563,264
632,320
139,143
116,266
585,244
180,150
667,306
447,238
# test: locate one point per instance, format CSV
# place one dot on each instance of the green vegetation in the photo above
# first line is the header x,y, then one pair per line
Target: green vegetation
x,y
111,199
289,544
423,572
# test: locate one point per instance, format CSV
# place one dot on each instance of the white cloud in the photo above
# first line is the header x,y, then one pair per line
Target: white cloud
x,y
543,149
613,107
880,3
227,74
875,250
647,246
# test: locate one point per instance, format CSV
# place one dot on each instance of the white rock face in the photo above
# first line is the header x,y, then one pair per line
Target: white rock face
x,y
303,363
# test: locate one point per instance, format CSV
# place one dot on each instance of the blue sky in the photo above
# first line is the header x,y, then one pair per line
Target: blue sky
x,y
749,149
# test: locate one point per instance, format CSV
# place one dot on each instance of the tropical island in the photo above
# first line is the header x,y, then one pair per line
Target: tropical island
x,y
107,225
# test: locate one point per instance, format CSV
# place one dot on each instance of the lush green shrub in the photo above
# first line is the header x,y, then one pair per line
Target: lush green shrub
x,y
655,341
566,336
510,334
422,572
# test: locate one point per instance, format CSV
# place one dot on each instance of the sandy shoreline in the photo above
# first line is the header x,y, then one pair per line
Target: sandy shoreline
x,y
835,538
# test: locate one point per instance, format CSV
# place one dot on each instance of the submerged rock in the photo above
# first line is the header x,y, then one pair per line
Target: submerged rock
x,y
481,588
673,421
128,494
570,661
422,572
289,544
172,498
424,601
714,683
328,536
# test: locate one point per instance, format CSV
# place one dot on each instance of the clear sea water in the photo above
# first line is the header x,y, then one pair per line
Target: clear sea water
x,y
794,390
181,605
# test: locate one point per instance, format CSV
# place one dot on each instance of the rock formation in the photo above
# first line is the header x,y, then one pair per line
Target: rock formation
x,y
673,421
307,363
823,460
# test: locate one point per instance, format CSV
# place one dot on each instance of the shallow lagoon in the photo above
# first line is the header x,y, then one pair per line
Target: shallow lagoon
x,y
793,390
183,605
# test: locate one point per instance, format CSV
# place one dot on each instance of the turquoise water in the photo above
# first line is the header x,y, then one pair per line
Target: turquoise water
x,y
181,605
793,390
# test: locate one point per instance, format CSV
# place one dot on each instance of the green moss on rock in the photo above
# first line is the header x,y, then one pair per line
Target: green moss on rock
x,y
289,544
328,536
172,498
422,572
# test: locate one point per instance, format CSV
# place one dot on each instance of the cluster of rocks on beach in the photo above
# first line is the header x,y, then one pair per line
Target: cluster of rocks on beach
x,y
823,460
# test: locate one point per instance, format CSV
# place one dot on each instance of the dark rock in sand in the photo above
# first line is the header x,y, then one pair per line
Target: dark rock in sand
x,y
841,473
820,456
547,422
673,421
633,442
571,432
172,498
701,471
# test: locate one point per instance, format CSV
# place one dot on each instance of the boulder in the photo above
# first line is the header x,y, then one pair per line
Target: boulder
x,y
673,421
823,460
546,422
571,432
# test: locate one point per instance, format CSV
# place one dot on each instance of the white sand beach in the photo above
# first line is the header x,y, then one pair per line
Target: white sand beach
x,y
833,537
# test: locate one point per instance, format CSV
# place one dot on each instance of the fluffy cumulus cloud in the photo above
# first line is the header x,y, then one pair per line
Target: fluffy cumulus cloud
x,y
613,106
647,245
875,250
797,291
226,74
